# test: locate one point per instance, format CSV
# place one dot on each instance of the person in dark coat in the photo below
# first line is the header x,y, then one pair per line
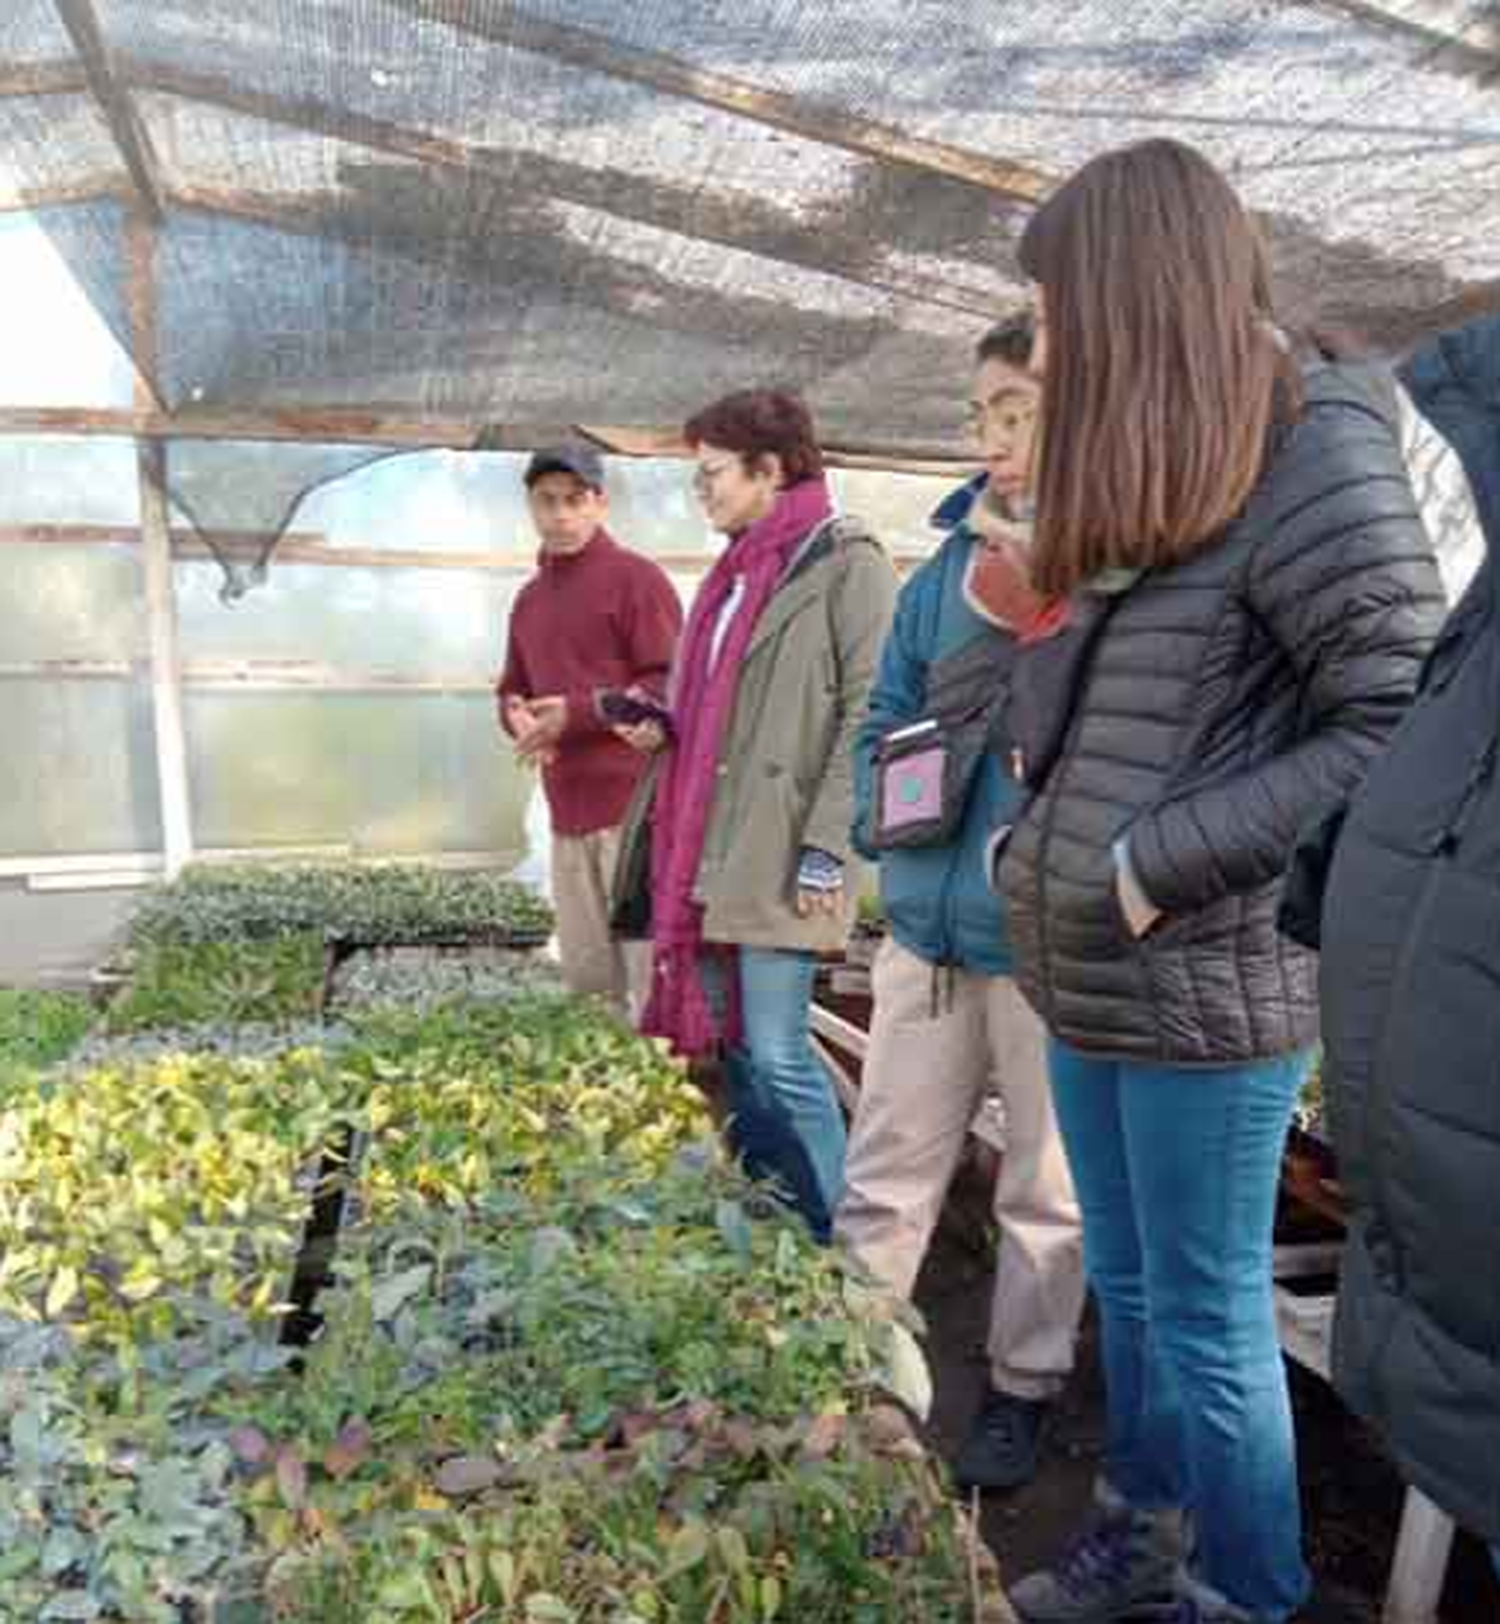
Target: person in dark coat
x,y
1411,1020
1241,596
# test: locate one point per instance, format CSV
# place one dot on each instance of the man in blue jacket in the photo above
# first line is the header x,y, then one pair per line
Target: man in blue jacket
x,y
950,1026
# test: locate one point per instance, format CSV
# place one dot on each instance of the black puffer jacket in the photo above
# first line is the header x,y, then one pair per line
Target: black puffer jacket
x,y
1411,1015
1227,701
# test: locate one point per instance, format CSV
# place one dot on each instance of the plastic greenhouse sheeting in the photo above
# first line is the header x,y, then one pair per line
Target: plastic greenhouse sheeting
x,y
598,213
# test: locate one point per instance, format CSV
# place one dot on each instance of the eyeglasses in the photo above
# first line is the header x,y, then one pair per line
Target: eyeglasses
x,y
1006,417
708,472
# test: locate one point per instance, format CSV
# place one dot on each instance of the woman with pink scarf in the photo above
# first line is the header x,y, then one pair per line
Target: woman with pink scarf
x,y
751,867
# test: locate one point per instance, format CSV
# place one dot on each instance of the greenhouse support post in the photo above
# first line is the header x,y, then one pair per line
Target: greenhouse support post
x,y
166,683
156,548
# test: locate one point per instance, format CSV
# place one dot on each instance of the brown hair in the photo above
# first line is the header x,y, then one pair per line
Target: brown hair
x,y
1011,341
1164,376
758,423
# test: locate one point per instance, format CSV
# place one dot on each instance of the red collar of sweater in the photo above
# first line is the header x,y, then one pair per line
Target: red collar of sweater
x,y
595,548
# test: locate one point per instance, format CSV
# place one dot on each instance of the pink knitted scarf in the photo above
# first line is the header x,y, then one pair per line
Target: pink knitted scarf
x,y
702,704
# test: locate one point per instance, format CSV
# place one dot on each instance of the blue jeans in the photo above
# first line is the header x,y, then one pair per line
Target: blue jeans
x,y
1177,1172
785,1120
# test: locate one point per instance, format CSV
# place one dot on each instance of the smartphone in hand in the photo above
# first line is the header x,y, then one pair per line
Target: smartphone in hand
x,y
621,709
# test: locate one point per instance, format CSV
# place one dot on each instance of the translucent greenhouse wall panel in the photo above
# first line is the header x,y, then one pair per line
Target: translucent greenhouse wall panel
x,y
897,507
437,501
653,508
80,752
68,480
83,753
384,772
476,502
58,351
433,624
444,501
63,602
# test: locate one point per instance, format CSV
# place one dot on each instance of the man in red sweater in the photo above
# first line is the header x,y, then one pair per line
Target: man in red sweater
x,y
595,619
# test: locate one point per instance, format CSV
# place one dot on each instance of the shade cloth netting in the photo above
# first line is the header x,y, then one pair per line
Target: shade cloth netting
x,y
520,217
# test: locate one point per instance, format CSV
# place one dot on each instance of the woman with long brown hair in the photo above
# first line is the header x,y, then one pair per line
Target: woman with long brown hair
x,y
1242,598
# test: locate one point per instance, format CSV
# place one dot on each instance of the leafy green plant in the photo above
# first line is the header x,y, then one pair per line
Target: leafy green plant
x,y
40,1028
95,1524
175,986
373,905
421,979
130,1198
463,1101
591,1301
654,1408
573,1367
679,1528
1310,1112
125,1515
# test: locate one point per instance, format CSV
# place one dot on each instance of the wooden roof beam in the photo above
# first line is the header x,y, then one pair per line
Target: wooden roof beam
x,y
593,52
307,425
62,78
125,127
86,189
335,426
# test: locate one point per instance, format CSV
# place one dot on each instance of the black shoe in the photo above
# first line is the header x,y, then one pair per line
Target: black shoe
x,y
1004,1442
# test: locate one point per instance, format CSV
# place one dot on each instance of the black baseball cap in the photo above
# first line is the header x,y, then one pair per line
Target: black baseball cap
x,y
580,460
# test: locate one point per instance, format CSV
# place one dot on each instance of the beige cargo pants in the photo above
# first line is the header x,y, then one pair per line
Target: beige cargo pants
x,y
593,962
929,1068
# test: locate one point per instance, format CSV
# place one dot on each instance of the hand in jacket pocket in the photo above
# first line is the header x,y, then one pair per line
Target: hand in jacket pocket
x,y
1140,913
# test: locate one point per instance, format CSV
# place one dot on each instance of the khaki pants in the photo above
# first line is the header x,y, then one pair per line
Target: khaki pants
x,y
925,1078
583,866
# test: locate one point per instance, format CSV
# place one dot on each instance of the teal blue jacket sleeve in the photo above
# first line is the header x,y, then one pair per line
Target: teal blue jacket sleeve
x,y
899,692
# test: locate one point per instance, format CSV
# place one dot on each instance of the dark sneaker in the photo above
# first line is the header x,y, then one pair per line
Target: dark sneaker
x,y
1193,1603
1181,1610
1123,1560
1004,1442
